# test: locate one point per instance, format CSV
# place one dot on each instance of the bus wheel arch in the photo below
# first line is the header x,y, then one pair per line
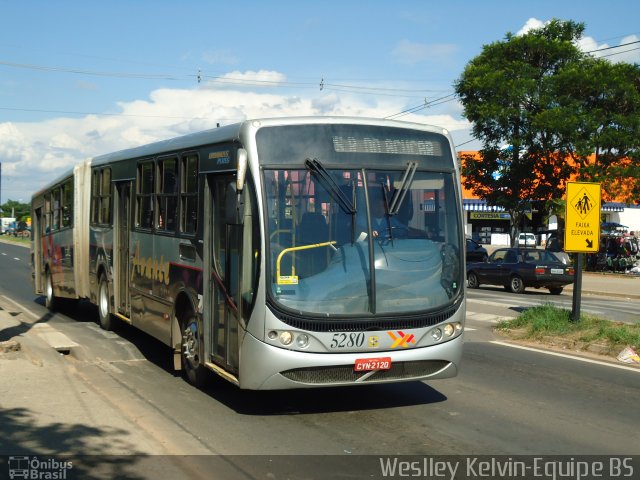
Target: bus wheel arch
x,y
190,341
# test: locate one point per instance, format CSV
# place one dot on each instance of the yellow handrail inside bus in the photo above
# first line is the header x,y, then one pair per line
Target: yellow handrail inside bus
x,y
293,249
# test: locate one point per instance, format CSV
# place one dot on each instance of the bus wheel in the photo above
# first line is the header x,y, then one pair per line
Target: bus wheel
x,y
195,373
107,321
50,298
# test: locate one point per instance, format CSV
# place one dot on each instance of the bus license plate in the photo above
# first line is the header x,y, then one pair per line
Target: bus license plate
x,y
368,364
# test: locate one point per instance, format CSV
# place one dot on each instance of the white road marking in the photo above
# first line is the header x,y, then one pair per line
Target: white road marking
x,y
21,307
16,258
564,355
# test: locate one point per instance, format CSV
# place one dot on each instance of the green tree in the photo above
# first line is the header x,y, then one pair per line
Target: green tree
x,y
599,104
507,92
20,210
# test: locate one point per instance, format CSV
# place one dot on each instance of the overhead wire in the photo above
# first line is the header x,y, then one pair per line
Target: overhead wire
x,y
230,80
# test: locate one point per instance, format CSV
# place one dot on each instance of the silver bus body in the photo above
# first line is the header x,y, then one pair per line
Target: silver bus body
x,y
273,277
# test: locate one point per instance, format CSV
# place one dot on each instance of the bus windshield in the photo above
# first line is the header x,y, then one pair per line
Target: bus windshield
x,y
337,247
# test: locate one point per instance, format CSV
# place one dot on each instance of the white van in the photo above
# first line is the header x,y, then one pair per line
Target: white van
x,y
526,240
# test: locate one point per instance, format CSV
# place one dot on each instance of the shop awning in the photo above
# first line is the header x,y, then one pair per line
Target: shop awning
x,y
612,207
477,205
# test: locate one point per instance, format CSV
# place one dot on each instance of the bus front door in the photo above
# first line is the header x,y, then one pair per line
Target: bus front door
x,y
122,247
224,237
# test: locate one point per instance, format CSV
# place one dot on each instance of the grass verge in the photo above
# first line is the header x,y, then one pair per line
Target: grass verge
x,y
551,325
16,240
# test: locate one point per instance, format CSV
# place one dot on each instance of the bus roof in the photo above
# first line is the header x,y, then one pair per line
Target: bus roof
x,y
234,132
231,133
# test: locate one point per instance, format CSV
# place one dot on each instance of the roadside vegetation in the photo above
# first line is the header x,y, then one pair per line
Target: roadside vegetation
x,y
551,325
18,240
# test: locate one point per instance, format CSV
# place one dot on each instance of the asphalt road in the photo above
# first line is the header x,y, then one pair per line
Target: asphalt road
x,y
505,401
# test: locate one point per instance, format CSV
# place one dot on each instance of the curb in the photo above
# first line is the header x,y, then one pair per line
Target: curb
x,y
606,294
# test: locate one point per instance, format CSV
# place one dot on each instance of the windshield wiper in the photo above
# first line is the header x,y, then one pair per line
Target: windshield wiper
x,y
387,211
405,184
330,184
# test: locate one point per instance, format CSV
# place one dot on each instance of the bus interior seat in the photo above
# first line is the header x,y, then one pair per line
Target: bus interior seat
x,y
312,229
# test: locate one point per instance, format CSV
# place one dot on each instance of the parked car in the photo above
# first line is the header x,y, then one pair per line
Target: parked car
x,y
518,268
555,244
475,251
526,240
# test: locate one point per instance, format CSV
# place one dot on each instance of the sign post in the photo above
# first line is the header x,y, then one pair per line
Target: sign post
x,y
582,230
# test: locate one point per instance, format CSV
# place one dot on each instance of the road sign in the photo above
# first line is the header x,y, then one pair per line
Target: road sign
x,y
582,218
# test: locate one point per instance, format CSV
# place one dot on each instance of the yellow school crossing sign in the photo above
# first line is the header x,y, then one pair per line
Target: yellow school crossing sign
x,y
582,217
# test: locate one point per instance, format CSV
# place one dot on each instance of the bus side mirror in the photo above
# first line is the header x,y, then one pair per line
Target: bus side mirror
x,y
242,169
240,179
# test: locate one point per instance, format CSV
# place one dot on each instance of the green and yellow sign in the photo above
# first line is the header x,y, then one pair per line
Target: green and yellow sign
x,y
582,218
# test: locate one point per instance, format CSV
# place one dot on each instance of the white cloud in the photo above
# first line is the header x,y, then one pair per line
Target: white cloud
x,y
629,54
531,24
624,53
35,153
411,53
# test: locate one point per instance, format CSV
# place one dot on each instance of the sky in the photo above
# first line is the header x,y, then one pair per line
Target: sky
x,y
85,78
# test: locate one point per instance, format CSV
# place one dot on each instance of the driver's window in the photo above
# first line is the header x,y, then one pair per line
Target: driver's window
x,y
511,257
499,256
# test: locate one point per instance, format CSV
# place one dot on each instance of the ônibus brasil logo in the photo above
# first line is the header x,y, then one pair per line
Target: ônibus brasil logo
x,y
33,468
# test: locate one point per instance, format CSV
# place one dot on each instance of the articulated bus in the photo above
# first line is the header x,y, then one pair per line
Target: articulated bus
x,y
277,253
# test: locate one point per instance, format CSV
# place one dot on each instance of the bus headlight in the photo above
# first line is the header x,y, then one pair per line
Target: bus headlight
x,y
448,330
436,334
302,340
286,338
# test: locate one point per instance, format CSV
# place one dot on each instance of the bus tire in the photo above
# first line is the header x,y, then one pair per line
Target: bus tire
x,y
50,300
107,320
191,351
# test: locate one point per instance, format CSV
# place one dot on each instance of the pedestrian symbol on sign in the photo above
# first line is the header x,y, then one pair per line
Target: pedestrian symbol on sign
x,y
583,203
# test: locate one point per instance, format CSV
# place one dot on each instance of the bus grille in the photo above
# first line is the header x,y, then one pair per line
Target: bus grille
x,y
346,374
318,324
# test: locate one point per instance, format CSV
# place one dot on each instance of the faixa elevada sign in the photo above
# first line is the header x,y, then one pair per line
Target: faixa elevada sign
x,y
582,218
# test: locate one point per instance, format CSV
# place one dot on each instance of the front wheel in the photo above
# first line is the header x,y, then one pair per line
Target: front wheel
x,y
50,300
472,280
107,320
516,285
194,372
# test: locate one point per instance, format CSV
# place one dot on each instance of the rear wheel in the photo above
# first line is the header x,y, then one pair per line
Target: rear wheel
x,y
472,280
107,320
555,290
195,373
50,300
516,285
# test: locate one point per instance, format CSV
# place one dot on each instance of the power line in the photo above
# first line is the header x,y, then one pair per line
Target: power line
x,y
144,76
620,53
69,112
417,108
617,46
464,143
361,89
